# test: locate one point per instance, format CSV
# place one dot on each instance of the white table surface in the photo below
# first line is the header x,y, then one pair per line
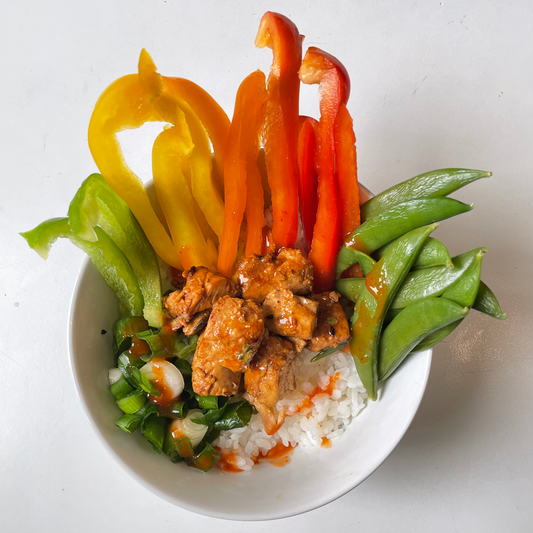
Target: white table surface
x,y
434,84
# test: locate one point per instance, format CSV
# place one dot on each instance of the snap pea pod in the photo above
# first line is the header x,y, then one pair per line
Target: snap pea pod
x,y
437,336
433,281
465,289
433,253
381,285
430,184
349,257
350,288
487,303
395,222
415,322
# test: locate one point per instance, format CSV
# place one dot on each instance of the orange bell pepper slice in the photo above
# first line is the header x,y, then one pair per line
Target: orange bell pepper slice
x,y
281,122
242,144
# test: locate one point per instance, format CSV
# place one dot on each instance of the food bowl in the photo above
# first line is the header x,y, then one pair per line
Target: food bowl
x,y
310,480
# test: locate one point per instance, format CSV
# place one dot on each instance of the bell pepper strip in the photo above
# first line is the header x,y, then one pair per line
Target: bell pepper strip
x,y
128,103
203,188
280,135
255,201
105,255
174,195
96,204
334,88
308,178
248,106
346,162
212,116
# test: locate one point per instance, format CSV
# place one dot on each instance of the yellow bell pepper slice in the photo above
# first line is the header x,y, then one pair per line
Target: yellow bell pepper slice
x,y
128,103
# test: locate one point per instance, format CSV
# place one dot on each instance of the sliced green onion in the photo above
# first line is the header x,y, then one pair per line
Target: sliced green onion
x,y
138,380
207,402
129,423
125,359
209,418
236,415
184,447
185,346
132,402
154,340
183,366
169,444
328,351
178,410
124,329
212,435
120,389
153,430
206,459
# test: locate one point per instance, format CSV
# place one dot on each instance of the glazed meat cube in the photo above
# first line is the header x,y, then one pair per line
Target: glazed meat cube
x,y
269,377
202,289
295,271
332,327
290,315
211,379
259,275
233,333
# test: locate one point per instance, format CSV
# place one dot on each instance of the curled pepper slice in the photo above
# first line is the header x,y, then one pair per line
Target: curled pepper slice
x,y
281,122
128,103
319,67
243,132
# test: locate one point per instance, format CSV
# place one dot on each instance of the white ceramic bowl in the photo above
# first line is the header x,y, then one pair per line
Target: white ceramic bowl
x,y
310,480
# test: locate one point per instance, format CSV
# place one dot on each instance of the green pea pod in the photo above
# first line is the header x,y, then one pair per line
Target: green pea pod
x,y
350,288
380,288
97,204
433,281
431,184
433,253
395,222
465,289
436,337
487,303
104,253
348,257
415,322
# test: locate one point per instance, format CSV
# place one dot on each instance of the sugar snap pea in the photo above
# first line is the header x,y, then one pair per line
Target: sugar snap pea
x,y
348,257
433,281
431,184
397,221
379,290
437,336
350,288
487,303
433,253
415,322
465,289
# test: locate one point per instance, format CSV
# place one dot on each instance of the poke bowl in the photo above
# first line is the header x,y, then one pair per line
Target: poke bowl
x,y
311,478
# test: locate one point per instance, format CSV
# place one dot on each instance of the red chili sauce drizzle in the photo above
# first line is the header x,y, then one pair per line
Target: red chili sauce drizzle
x,y
278,456
166,399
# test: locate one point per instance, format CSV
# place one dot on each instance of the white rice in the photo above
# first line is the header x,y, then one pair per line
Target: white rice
x,y
327,419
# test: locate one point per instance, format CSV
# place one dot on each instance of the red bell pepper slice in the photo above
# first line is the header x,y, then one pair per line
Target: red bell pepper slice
x,y
322,68
346,159
281,123
308,178
243,133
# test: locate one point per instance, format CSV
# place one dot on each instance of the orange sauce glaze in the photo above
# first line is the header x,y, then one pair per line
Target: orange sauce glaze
x,y
307,403
138,347
278,456
166,398
326,443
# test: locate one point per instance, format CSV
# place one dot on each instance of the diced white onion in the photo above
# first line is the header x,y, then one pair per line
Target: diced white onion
x,y
172,378
185,428
114,374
